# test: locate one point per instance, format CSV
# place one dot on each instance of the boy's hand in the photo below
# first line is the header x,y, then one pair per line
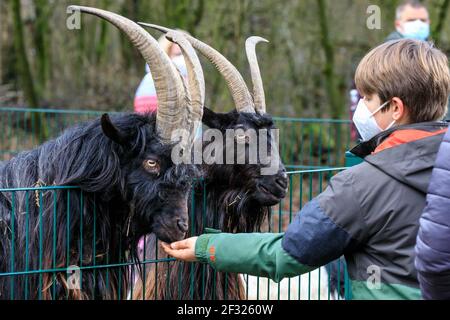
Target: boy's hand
x,y
181,250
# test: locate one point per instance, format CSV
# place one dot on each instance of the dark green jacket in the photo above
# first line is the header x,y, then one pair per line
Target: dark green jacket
x,y
368,213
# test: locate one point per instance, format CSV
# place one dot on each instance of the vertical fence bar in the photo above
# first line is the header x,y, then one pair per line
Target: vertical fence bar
x,y
191,286
27,240
204,223
280,223
94,245
54,244
41,249
144,268
68,237
13,239
81,238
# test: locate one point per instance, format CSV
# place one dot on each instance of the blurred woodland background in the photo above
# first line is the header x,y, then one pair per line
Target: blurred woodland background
x,y
315,46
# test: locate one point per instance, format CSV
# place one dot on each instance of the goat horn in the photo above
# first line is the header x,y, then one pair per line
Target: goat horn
x,y
258,88
196,81
168,83
236,84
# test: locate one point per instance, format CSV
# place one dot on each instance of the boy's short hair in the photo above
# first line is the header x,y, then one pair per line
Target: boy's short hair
x,y
412,70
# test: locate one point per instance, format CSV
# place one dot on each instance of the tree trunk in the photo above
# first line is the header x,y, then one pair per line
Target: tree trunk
x,y
23,65
2,45
100,48
336,107
41,35
24,71
437,30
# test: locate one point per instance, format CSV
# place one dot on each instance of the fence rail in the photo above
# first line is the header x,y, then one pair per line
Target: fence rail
x,y
33,268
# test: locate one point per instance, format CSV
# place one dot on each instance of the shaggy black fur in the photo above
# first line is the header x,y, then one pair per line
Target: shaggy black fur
x,y
129,187
232,198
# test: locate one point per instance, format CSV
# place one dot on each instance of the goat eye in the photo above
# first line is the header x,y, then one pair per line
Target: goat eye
x,y
151,166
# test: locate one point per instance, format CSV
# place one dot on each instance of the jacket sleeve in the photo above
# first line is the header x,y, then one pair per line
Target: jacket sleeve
x,y
329,226
432,246
258,254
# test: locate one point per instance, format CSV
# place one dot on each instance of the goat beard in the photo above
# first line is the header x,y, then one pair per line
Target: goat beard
x,y
232,211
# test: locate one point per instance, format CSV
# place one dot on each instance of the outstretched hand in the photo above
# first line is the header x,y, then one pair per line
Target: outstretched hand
x,y
181,250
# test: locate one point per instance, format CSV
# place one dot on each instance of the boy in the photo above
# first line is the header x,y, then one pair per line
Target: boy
x,y
369,213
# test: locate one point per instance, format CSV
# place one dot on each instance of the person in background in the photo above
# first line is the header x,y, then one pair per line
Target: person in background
x,y
412,21
432,246
145,99
354,99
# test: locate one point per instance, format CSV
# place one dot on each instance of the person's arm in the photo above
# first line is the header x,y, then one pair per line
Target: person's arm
x,y
326,228
258,254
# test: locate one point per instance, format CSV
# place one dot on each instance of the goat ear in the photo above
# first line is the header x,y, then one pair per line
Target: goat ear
x,y
111,131
219,121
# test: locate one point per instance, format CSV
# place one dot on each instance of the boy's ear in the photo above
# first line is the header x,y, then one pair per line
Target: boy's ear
x,y
219,121
111,131
400,112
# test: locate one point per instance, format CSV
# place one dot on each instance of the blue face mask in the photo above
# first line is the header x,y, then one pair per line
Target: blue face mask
x,y
416,29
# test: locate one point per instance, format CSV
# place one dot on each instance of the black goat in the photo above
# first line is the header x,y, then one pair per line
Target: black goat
x,y
231,197
129,187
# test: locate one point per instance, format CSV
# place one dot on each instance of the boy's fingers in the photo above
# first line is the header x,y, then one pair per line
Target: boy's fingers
x,y
183,244
165,246
182,250
168,250
177,254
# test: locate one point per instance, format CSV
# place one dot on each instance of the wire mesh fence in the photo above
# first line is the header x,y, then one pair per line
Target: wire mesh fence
x,y
51,246
52,250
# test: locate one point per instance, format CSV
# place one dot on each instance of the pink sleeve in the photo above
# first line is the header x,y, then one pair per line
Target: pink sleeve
x,y
145,104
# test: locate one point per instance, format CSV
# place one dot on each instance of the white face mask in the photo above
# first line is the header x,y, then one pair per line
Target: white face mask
x,y
365,122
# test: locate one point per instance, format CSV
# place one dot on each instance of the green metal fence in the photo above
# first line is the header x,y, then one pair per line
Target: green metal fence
x,y
38,273
312,149
304,143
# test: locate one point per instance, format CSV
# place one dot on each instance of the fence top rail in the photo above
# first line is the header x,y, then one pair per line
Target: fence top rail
x,y
40,188
312,120
46,188
317,170
42,110
97,112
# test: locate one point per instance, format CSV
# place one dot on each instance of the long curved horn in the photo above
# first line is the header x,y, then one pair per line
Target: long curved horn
x,y
196,81
236,84
258,88
168,83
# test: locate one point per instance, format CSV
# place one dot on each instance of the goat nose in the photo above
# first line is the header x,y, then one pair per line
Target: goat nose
x,y
282,178
282,182
182,225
